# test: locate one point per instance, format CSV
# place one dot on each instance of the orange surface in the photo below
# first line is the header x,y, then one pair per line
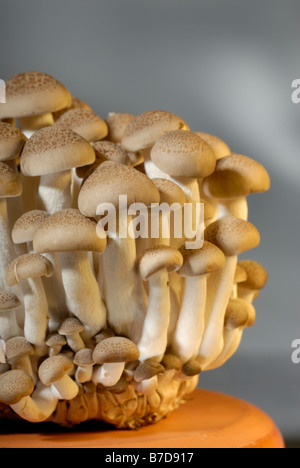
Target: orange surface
x,y
208,420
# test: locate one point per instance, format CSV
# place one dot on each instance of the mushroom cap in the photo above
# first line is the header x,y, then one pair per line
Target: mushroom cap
x,y
191,368
219,147
55,149
115,349
18,347
26,226
117,123
56,340
8,301
257,276
15,385
170,361
84,357
143,131
240,274
68,231
237,176
111,180
33,93
12,141
70,326
55,368
169,192
148,369
110,151
238,312
183,154
158,258
10,183
202,261
84,122
232,235
75,104
28,266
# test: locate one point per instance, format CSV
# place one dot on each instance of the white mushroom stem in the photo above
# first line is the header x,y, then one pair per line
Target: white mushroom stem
x,y
126,309
7,251
65,388
176,283
28,125
154,337
38,407
83,297
109,373
232,341
146,387
191,321
75,342
2,352
54,192
84,374
236,207
220,284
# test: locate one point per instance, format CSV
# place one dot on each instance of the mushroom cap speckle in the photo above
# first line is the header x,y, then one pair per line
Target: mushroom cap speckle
x,y
17,347
15,385
219,147
68,231
10,184
84,122
84,357
54,369
117,123
238,312
70,326
232,235
8,301
257,276
56,340
115,349
12,141
158,258
25,227
28,266
201,261
110,151
183,154
148,369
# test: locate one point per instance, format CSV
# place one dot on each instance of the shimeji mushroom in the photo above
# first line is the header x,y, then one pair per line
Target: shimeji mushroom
x,y
18,351
110,185
197,265
154,266
76,103
235,177
71,329
112,354
32,97
219,147
74,236
55,342
84,361
256,280
24,228
239,315
84,122
9,306
52,153
233,236
117,123
28,270
239,277
145,377
54,372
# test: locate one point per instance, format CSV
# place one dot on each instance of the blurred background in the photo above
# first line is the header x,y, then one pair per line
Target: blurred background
x,y
226,67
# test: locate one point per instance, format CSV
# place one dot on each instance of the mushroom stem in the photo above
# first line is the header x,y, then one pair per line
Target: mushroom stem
x,y
7,251
83,297
154,337
36,311
236,207
109,373
54,192
247,294
38,407
191,322
65,388
220,286
8,325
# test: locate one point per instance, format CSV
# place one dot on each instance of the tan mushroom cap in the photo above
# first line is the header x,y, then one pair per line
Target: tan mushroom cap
x,y
202,261
112,179
33,93
143,131
183,154
70,326
18,347
115,349
76,103
170,361
54,369
240,274
191,368
237,176
55,149
158,258
257,276
56,340
84,358
110,151
10,183
8,301
68,231
28,266
117,123
26,226
148,369
238,312
219,147
12,141
232,235
84,122
15,385
169,192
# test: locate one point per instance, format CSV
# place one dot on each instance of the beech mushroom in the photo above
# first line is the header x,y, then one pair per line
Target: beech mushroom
x,y
76,103
197,264
52,153
54,372
71,329
84,122
233,236
9,306
256,280
239,277
111,184
24,228
117,123
55,342
154,266
73,236
219,147
85,363
145,377
112,354
18,350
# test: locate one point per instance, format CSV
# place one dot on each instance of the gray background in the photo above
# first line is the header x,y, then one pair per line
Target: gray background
x,y
226,67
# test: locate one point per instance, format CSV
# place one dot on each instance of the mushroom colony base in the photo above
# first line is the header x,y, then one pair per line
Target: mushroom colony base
x,y
95,324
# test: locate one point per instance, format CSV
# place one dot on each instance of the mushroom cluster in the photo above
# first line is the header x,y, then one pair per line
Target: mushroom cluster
x,y
95,322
